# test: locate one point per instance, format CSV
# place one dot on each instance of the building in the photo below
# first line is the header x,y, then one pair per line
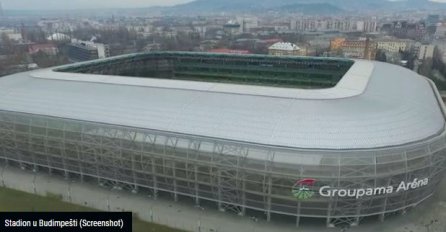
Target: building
x,y
286,49
440,32
426,52
332,139
201,30
58,37
392,45
232,27
432,20
248,23
411,30
359,49
336,43
342,25
49,49
86,50
317,46
370,26
11,34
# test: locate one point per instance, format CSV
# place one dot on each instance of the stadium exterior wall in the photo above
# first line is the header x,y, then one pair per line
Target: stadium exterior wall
x,y
235,176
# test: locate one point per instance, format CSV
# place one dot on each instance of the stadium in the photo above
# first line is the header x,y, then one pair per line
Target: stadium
x,y
298,137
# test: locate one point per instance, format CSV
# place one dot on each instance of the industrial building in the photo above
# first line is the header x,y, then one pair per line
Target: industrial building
x,y
79,50
334,139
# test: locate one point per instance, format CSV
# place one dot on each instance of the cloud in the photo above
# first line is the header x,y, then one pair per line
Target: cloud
x,y
83,4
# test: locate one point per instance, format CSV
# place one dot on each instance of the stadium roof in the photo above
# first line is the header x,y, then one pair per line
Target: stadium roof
x,y
374,105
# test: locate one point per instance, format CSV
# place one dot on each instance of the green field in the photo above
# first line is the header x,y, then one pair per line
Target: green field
x,y
12,200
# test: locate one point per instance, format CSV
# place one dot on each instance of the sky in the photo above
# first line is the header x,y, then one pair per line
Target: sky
x,y
83,4
89,4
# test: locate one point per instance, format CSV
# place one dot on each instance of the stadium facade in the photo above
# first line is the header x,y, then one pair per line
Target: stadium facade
x,y
335,139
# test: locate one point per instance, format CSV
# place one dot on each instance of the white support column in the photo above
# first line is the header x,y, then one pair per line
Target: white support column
x,y
81,167
135,184
383,214
243,207
197,196
175,190
298,214
97,167
219,194
62,155
155,184
328,221
269,185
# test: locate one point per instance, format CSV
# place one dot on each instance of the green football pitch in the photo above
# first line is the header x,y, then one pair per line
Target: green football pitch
x,y
12,200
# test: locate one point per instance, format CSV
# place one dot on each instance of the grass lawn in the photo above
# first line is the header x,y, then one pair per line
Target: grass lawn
x,y
12,200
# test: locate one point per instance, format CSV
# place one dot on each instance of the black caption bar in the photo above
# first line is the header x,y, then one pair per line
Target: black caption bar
x,y
66,221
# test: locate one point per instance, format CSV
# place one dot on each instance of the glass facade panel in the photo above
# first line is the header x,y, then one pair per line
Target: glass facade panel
x,y
244,176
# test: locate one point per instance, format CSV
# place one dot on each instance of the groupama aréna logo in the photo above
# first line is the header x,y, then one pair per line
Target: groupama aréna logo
x,y
301,189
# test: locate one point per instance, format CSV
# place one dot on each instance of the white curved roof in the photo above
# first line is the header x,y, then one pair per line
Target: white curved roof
x,y
284,46
374,105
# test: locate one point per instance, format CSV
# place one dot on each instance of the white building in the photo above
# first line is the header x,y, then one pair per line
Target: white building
x,y
393,45
11,34
370,26
248,23
344,25
426,52
360,25
58,37
441,31
286,49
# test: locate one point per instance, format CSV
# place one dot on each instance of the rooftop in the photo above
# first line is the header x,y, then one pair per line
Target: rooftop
x,y
284,46
373,105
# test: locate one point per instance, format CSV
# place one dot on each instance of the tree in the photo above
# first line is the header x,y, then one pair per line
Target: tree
x,y
410,57
6,44
381,55
438,63
425,68
44,60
